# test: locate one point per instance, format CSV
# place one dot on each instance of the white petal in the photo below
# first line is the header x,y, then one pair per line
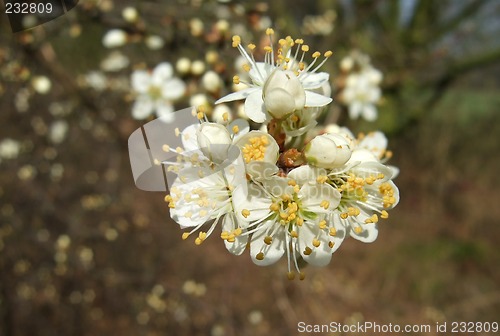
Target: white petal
x,y
316,100
279,103
376,142
238,95
314,80
142,108
260,73
355,109
250,198
229,223
254,107
165,111
305,174
313,196
321,255
370,112
189,138
274,251
173,89
161,73
141,80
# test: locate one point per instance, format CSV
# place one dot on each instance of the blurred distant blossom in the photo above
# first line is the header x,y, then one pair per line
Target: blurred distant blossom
x,y
9,149
156,91
362,90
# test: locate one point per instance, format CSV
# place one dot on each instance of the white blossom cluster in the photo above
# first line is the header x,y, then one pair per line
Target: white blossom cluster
x,y
277,190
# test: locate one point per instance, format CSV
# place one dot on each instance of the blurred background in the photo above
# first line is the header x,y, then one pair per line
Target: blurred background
x,y
83,252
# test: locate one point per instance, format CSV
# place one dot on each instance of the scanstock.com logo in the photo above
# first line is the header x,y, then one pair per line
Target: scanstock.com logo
x,y
26,14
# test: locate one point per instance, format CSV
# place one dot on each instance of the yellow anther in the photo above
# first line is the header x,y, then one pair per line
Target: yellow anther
x,y
203,213
322,179
302,66
388,154
200,115
328,53
332,232
255,149
251,46
268,240
384,214
325,204
179,150
322,224
245,213
294,118
224,235
268,49
358,229
290,275
344,215
198,241
225,116
283,215
302,276
316,242
246,67
286,197
188,214
316,54
292,183
368,221
274,207
296,189
168,198
305,48
236,80
300,221
380,176
269,31
299,41
307,250
259,256
331,244
185,235
294,234
374,218
236,41
165,148
236,129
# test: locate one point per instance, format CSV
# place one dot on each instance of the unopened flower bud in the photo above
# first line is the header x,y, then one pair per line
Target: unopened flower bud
x,y
214,141
283,94
327,151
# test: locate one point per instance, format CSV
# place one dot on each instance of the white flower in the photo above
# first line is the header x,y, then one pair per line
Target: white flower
x,y
367,193
260,153
114,38
211,81
327,151
361,94
156,92
154,42
287,59
130,14
290,215
9,148
183,65
115,61
58,131
41,84
200,195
